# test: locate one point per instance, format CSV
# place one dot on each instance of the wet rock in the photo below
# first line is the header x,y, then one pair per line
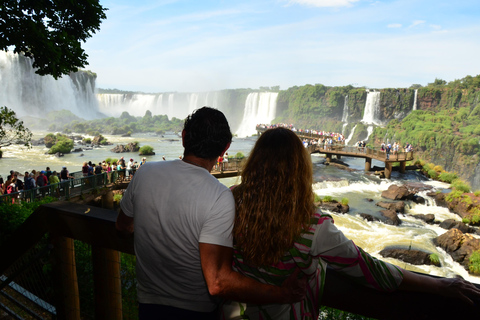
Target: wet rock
x,y
334,206
369,217
450,224
391,217
412,256
131,147
459,245
396,206
395,192
428,218
418,199
58,154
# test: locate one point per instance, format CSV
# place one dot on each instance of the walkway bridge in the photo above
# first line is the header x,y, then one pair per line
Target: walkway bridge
x,y
339,149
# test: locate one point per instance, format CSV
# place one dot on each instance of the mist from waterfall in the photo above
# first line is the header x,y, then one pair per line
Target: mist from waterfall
x,y
372,108
177,105
29,94
260,108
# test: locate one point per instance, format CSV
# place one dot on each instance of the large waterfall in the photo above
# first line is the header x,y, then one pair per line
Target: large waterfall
x,y
372,108
177,105
260,108
27,93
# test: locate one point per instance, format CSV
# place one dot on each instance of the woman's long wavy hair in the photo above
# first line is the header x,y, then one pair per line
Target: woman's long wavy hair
x,y
274,202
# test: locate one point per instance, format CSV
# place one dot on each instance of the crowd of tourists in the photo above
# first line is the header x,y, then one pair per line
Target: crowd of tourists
x,y
17,182
328,135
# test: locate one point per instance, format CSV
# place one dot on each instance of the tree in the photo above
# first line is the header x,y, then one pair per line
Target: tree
x,y
50,31
12,129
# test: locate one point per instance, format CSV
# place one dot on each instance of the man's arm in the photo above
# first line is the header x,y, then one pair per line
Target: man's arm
x,y
124,224
223,281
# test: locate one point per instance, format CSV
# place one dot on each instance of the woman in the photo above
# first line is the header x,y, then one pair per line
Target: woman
x,y
277,230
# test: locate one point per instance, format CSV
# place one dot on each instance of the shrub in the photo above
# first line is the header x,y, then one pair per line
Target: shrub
x,y
461,185
434,258
477,193
454,194
87,140
317,198
327,199
146,150
474,262
432,174
447,177
63,145
239,155
438,168
117,197
344,201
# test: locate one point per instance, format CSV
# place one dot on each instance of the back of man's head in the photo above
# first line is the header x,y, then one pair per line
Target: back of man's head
x,y
206,133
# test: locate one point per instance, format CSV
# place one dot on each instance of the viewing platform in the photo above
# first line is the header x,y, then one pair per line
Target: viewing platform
x,y
339,149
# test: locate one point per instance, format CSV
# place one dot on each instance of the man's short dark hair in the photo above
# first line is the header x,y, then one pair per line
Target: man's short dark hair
x,y
207,133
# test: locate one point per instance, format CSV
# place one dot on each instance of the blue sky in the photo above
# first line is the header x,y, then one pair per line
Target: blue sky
x,y
197,45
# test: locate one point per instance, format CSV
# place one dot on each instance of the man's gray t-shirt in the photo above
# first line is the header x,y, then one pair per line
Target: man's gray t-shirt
x,y
175,206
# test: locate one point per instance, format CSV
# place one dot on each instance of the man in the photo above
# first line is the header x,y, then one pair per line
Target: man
x,y
183,221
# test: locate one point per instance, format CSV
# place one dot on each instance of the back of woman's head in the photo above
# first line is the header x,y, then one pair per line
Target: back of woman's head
x,y
275,198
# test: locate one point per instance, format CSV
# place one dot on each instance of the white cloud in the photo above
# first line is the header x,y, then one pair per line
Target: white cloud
x,y
394,25
324,3
436,26
416,23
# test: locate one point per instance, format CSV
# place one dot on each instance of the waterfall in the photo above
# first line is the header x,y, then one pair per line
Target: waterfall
x,y
415,100
28,93
260,108
372,108
177,105
345,114
350,136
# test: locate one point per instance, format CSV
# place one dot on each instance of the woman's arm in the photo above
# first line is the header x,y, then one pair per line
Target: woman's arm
x,y
448,287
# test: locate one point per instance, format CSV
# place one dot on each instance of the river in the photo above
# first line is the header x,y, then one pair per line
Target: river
x,y
355,185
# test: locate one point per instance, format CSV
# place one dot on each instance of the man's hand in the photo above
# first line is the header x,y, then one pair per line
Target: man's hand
x,y
295,286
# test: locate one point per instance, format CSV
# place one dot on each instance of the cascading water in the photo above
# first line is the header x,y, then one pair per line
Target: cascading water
x,y
29,94
260,108
177,105
345,114
372,108
350,136
415,100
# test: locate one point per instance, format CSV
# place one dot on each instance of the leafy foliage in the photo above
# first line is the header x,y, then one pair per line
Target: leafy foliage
x,y
50,32
146,150
12,129
474,262
62,144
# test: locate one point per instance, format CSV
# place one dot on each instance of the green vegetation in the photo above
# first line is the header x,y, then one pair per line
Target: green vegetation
x,y
12,129
327,199
474,262
61,143
125,124
146,150
344,201
12,216
331,313
434,258
239,155
51,31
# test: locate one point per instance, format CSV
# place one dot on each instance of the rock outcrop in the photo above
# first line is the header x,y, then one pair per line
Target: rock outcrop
x,y
416,257
459,245
131,147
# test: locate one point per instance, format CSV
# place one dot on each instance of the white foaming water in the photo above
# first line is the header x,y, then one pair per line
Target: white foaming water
x,y
415,100
260,108
350,136
29,94
372,108
375,236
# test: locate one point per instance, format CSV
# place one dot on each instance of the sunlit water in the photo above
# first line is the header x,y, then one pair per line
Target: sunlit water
x,y
356,186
